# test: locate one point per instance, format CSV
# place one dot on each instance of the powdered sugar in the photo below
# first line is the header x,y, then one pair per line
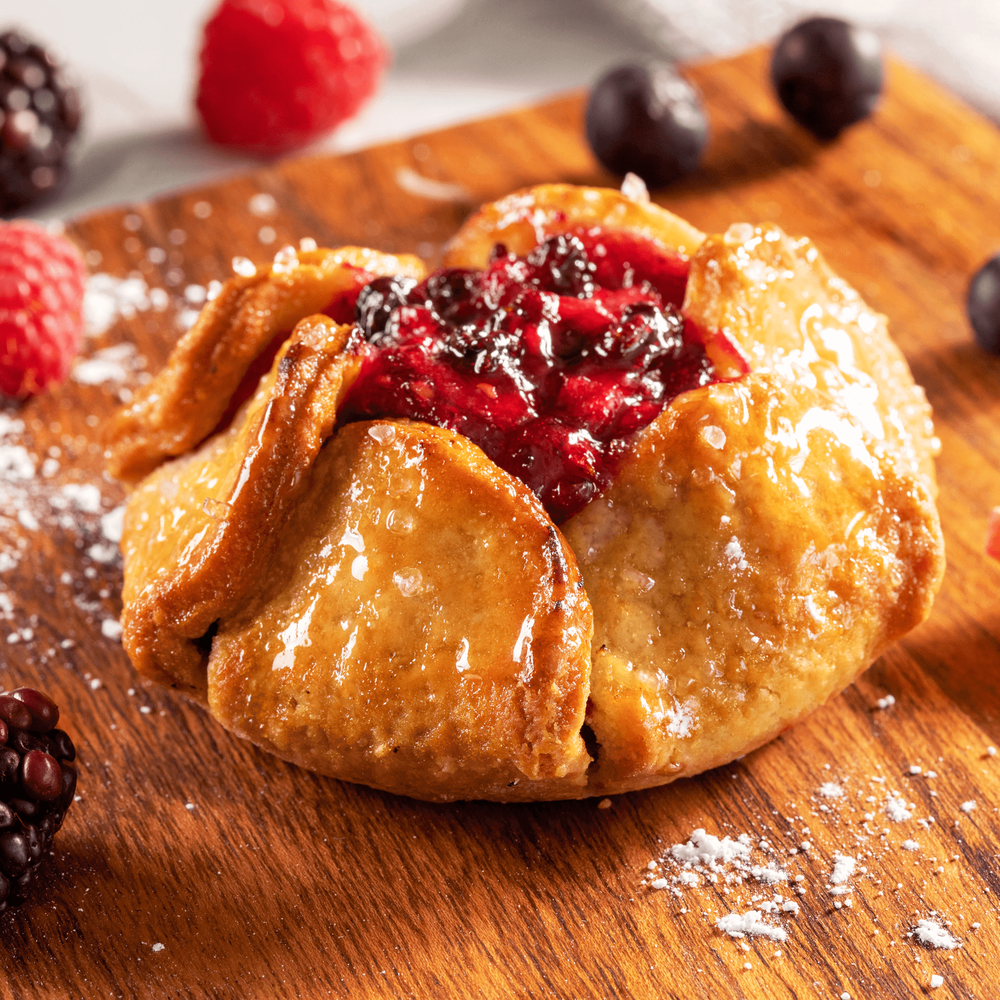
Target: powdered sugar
x,y
739,925
843,868
107,299
897,810
932,934
705,849
113,365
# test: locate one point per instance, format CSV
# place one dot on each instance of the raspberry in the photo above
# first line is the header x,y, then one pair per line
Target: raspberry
x,y
41,308
37,784
277,74
39,115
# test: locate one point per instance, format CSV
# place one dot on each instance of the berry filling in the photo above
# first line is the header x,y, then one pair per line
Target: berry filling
x,y
549,363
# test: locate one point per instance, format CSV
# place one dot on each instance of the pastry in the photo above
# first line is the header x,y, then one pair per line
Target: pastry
x,y
603,503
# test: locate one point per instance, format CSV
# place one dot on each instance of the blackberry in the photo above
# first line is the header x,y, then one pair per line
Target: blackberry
x,y
39,115
37,784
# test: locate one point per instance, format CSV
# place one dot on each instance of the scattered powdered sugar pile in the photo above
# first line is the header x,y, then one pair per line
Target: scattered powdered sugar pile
x,y
748,886
897,810
929,932
843,869
750,923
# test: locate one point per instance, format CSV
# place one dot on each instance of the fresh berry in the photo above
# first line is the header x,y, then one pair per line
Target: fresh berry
x,y
983,305
41,308
648,120
828,74
39,115
549,363
278,74
993,534
37,784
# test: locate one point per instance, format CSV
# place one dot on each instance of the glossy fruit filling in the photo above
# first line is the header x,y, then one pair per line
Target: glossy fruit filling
x,y
549,363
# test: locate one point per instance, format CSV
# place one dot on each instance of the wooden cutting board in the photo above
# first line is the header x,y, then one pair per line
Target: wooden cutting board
x,y
196,866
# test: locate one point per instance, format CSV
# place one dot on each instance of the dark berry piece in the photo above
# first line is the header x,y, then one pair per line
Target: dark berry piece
x,y
36,843
10,764
36,789
22,741
41,777
449,291
62,745
983,305
20,885
40,115
3,732
68,787
14,712
27,809
828,74
377,301
562,265
14,854
649,120
44,712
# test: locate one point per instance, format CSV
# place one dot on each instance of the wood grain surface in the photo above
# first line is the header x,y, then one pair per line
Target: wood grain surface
x,y
196,866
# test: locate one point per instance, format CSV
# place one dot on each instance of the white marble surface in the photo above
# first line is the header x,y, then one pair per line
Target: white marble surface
x,y
136,62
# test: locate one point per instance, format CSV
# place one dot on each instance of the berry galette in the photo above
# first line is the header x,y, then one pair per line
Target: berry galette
x,y
601,503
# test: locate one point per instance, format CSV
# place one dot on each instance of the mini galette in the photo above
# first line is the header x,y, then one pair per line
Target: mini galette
x,y
602,503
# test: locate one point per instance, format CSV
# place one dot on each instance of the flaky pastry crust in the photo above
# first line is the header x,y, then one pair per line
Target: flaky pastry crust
x,y
380,602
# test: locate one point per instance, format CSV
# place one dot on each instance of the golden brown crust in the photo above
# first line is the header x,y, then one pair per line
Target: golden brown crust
x,y
362,652
523,219
779,303
382,603
198,529
185,402
749,562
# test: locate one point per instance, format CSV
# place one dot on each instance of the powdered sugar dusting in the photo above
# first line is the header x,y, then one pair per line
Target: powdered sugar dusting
x,y
114,365
705,849
739,925
44,493
843,868
897,810
932,934
106,299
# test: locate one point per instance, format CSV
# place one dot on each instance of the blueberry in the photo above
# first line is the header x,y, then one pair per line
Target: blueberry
x,y
983,305
648,120
377,301
828,74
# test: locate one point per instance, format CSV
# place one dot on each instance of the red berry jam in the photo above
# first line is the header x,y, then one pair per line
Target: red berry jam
x,y
549,363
